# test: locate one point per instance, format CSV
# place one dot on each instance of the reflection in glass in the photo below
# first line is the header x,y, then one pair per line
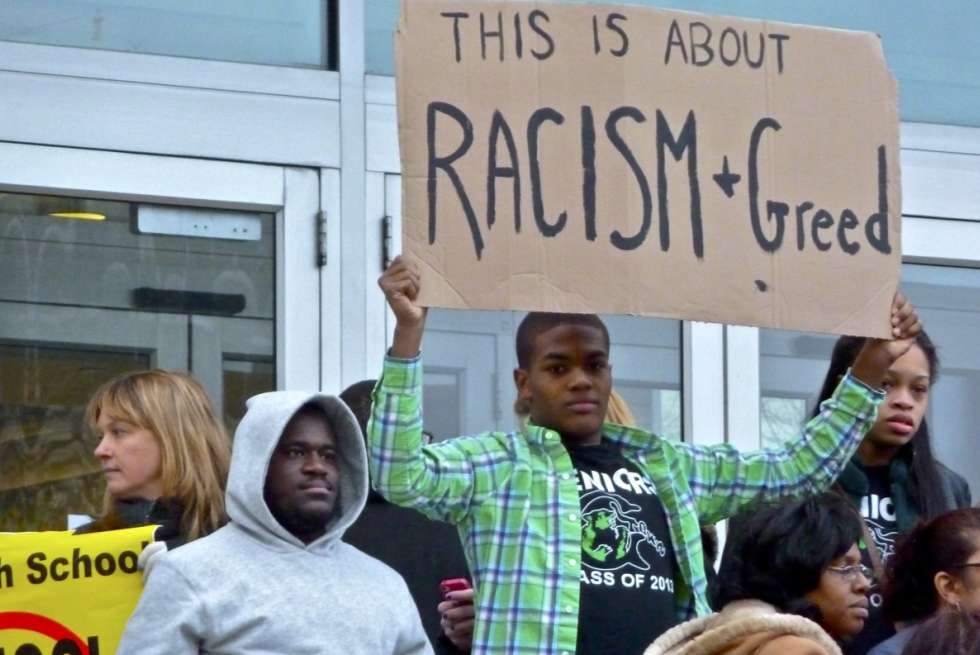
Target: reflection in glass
x,y
780,419
655,409
442,394
243,378
47,469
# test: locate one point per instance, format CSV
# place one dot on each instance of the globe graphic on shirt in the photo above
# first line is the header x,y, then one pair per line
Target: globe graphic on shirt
x,y
612,535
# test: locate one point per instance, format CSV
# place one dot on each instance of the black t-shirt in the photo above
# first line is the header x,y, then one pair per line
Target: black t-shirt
x,y
878,511
628,564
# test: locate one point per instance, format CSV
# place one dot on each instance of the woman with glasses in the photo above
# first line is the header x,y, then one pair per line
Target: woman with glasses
x,y
935,571
795,585
894,478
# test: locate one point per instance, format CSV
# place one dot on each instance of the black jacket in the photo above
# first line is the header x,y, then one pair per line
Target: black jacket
x,y
854,482
136,512
423,551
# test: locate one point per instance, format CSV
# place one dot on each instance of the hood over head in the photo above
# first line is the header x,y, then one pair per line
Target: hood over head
x,y
256,439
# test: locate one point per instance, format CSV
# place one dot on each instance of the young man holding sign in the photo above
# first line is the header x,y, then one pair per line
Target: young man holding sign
x,y
583,536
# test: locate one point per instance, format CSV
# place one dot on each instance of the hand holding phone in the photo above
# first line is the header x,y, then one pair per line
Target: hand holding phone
x,y
453,584
457,612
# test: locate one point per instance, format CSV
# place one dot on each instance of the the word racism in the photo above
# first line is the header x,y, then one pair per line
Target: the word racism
x,y
814,226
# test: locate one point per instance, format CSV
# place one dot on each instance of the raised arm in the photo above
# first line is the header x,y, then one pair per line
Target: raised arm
x,y
442,481
401,284
723,480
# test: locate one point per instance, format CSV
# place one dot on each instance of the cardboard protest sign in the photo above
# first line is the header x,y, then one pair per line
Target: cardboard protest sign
x,y
68,594
632,160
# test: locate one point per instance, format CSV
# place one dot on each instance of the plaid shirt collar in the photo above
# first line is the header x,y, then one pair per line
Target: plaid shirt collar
x,y
633,440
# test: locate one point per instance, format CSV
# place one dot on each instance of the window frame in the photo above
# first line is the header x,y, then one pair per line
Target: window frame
x,y
292,194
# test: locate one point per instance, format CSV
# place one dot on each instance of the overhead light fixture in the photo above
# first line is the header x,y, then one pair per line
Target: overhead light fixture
x,y
78,216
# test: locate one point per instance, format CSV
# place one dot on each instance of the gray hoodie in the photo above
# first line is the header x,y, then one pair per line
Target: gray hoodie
x,y
252,587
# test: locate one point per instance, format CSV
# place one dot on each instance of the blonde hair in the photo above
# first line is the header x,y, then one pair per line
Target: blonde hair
x,y
195,449
617,411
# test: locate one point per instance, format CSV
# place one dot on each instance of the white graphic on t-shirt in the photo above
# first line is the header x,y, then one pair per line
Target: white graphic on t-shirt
x,y
879,514
612,534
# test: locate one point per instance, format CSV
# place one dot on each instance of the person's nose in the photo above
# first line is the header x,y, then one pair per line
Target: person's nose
x,y
102,451
315,464
580,379
902,398
862,584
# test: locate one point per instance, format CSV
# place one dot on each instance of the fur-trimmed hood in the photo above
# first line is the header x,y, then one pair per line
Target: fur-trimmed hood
x,y
721,632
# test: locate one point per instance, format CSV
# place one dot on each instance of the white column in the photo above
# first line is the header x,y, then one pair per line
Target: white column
x,y
742,386
353,224
704,382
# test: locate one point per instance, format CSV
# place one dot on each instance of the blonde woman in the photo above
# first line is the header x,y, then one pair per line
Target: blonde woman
x,y
164,455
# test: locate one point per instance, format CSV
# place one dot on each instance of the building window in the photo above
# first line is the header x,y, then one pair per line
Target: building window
x,y
296,33
90,289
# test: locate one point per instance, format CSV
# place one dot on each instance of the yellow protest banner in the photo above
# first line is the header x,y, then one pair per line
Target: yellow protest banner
x,y
68,594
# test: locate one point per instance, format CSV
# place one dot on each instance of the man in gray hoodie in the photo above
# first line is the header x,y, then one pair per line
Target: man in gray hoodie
x,y
278,578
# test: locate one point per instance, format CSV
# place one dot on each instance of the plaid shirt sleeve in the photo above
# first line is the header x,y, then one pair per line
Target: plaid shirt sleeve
x,y
443,481
723,480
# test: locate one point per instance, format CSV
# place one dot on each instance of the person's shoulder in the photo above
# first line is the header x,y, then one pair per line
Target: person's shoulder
x,y
489,441
201,552
955,479
895,644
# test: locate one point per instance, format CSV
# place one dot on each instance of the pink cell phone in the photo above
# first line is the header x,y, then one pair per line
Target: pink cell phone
x,y
453,584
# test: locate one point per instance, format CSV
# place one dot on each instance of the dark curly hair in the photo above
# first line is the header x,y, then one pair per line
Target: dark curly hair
x,y
941,544
780,551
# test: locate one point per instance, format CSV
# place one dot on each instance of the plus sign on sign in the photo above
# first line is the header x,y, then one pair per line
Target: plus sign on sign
x,y
588,158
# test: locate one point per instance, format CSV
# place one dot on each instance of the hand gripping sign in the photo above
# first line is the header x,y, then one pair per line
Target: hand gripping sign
x,y
633,160
67,594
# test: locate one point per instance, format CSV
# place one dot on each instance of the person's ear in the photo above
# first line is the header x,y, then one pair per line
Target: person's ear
x,y
521,382
522,404
948,588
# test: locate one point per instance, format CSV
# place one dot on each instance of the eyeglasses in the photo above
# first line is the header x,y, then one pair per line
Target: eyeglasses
x,y
851,573
964,566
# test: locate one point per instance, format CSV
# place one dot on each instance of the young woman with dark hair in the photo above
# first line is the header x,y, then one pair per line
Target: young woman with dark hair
x,y
935,570
793,586
894,478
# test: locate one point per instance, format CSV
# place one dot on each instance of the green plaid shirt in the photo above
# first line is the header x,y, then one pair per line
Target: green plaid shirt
x,y
514,499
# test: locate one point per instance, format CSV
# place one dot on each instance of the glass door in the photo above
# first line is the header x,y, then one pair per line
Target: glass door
x,y
125,272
